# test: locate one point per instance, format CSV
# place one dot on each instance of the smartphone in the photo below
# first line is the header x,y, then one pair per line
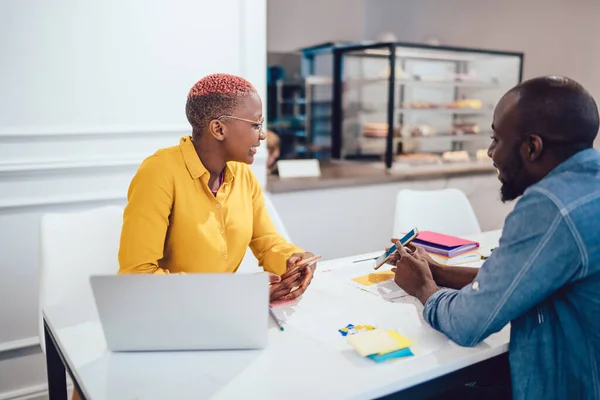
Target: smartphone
x,y
406,239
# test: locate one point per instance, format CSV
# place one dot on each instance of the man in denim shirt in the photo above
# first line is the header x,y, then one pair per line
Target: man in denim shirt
x,y
544,278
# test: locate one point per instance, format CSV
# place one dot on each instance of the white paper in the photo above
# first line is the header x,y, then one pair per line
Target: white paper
x,y
299,168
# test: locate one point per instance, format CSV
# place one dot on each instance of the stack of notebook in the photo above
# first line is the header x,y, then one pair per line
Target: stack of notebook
x,y
448,250
380,345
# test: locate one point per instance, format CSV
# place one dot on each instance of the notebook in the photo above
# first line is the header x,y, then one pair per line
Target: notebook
x,y
464,258
444,245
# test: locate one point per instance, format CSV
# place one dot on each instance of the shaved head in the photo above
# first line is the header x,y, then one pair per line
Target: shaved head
x,y
559,110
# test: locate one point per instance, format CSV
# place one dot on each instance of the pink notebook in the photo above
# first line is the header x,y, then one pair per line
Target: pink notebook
x,y
445,245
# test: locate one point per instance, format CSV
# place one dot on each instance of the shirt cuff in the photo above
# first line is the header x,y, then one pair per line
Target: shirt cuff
x,y
430,308
276,260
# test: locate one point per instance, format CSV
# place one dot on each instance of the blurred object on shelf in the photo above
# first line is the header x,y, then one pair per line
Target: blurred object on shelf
x,y
418,130
465,128
456,156
419,159
431,78
420,105
474,104
378,129
274,151
400,73
482,155
470,76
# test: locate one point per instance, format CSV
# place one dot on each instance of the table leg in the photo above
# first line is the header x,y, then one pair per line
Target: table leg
x,y
57,377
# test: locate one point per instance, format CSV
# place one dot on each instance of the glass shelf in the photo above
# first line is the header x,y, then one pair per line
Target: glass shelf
x,y
380,89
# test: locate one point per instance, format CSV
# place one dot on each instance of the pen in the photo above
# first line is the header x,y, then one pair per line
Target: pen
x,y
275,319
486,257
365,259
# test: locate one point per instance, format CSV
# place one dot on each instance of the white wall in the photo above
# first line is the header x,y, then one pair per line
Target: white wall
x,y
293,24
87,90
557,36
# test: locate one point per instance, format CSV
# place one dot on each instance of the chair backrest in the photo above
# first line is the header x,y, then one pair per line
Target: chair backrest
x,y
74,246
445,211
249,263
270,207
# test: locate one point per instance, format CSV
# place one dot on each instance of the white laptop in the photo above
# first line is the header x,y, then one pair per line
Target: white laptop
x,y
183,312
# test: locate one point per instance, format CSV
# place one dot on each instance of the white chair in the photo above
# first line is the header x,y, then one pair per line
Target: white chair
x,y
249,262
276,218
445,211
74,246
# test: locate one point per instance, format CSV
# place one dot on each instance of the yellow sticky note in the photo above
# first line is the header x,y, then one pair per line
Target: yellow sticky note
x,y
375,277
402,341
373,342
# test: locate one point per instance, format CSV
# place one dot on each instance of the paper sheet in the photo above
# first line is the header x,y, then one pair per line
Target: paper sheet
x,y
373,278
331,304
425,339
320,317
382,284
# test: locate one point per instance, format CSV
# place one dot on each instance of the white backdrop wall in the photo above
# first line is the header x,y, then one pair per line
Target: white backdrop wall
x,y
87,90
293,24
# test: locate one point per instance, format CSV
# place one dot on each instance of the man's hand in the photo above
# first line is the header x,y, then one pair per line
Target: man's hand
x,y
293,283
413,274
412,249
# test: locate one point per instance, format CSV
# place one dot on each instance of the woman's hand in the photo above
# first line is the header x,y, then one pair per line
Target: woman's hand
x,y
279,288
294,282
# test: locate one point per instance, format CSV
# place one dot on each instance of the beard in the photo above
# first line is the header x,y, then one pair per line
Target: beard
x,y
514,179
510,191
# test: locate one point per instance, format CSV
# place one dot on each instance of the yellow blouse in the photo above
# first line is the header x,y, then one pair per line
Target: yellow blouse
x,y
173,223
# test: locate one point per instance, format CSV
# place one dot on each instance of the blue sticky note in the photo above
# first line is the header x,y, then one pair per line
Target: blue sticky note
x,y
346,330
390,356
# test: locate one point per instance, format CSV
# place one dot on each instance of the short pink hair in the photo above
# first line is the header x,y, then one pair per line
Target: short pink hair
x,y
224,84
213,96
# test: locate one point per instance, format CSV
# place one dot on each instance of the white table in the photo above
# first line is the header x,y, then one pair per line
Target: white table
x,y
295,365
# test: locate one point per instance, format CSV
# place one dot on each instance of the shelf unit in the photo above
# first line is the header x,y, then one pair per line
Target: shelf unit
x,y
383,80
425,83
301,114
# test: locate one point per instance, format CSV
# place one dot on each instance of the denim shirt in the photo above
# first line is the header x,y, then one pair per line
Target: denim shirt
x,y
544,278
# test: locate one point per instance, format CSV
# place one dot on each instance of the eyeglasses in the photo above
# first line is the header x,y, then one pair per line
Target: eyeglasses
x,y
258,125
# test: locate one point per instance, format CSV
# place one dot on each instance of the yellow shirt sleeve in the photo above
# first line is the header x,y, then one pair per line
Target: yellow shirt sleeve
x,y
268,246
146,218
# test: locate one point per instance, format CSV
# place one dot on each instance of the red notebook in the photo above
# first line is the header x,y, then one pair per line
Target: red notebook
x,y
448,246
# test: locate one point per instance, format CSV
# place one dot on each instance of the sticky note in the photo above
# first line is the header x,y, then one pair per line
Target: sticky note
x,y
375,277
351,329
390,356
373,342
402,341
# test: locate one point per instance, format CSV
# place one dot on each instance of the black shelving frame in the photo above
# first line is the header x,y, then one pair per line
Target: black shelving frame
x,y
339,51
